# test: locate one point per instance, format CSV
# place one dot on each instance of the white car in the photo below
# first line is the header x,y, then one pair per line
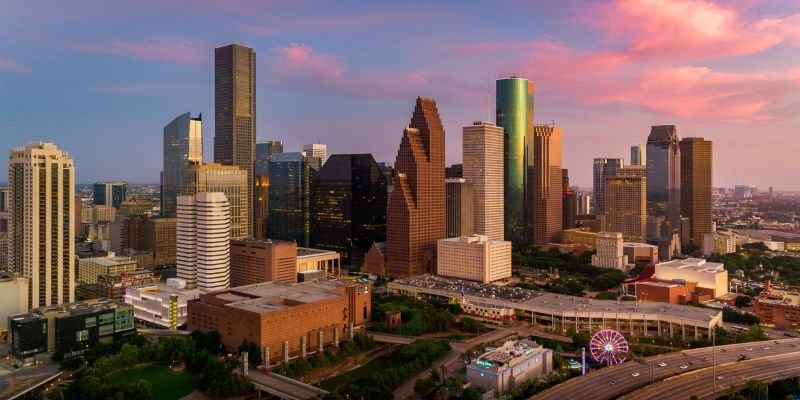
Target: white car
x,y
749,349
720,377
662,364
684,366
766,348
635,374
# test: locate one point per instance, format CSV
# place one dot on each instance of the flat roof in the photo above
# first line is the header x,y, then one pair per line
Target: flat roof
x,y
694,264
307,251
637,244
109,262
71,309
273,296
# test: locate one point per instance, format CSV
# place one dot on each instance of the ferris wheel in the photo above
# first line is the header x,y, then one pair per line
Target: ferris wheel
x,y
608,347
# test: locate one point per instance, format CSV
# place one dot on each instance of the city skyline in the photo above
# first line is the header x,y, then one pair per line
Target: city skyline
x,y
731,79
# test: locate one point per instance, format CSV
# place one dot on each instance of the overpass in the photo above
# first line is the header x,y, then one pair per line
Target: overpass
x,y
283,387
613,382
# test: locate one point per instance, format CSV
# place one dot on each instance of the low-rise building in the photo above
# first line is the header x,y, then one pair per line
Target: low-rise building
x,y
68,329
579,236
114,286
161,306
504,368
309,259
640,252
285,321
719,242
672,292
375,259
256,261
90,268
710,276
13,300
610,251
475,258
780,308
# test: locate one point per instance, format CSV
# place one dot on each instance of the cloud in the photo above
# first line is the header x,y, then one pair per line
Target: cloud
x,y
7,64
171,50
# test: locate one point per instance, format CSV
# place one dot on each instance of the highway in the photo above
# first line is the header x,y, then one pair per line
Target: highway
x,y
737,374
615,381
284,387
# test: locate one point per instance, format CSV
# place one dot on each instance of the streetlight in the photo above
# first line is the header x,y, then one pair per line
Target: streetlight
x,y
714,360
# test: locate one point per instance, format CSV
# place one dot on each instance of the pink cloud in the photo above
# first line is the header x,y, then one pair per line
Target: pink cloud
x,y
301,60
180,51
13,66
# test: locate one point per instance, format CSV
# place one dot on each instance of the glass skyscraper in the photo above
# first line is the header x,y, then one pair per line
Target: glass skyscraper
x,y
183,145
348,210
110,193
603,168
289,198
264,152
514,109
663,178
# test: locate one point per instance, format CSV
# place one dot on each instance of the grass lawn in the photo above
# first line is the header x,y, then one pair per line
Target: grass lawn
x,y
166,384
374,367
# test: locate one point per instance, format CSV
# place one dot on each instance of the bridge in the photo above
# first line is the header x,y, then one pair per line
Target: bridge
x,y
283,387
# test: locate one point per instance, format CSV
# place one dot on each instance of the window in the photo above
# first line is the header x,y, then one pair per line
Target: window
x,y
82,335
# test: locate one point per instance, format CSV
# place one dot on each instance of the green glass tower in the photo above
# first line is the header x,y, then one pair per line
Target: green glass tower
x,y
515,116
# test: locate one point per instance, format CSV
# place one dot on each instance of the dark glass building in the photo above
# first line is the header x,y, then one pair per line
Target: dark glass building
x,y
348,210
264,152
183,145
290,198
110,193
663,179
515,116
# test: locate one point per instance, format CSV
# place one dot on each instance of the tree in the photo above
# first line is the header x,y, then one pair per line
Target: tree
x,y
470,394
607,296
743,301
757,389
423,386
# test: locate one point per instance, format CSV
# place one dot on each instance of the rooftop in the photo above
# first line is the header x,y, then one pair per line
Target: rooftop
x,y
274,296
694,264
778,296
307,251
637,244
71,309
510,350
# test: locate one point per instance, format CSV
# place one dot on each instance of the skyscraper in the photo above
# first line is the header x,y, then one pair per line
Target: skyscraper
x,y
515,116
663,177
316,154
603,168
696,184
547,185
458,207
348,206
203,241
232,181
41,242
569,203
626,211
639,154
183,144
290,198
235,110
483,169
264,152
415,218
110,193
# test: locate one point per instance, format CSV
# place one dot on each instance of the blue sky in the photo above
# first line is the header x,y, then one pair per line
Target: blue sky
x,y
101,79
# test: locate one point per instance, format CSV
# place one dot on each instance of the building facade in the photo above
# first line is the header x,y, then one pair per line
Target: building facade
x,y
110,194
639,154
482,147
610,252
603,168
708,275
475,258
13,300
161,234
316,154
160,306
625,206
348,206
696,202
264,152
90,268
290,179
114,286
547,185
506,367
459,217
41,242
256,261
203,241
183,145
415,217
663,178
230,180
514,113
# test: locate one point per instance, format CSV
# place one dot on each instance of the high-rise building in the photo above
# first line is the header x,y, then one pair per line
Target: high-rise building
x,y
515,116
41,242
475,258
257,261
663,177
639,154
603,168
696,183
458,207
230,180
415,218
203,241
264,152
483,169
316,154
235,112
569,203
4,194
290,179
160,239
547,185
626,210
183,145
584,201
110,194
348,206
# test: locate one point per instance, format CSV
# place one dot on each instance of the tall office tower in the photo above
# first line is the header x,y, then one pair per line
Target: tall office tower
x,y
183,145
41,242
547,185
663,178
696,200
290,179
584,201
317,154
110,193
639,154
454,171
264,152
626,210
415,218
603,168
230,180
235,111
515,116
4,194
483,168
203,241
569,203
348,206
160,239
458,207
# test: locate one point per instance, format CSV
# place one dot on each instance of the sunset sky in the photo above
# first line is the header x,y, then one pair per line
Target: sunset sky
x,y
101,79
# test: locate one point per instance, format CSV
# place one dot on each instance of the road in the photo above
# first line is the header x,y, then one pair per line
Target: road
x,y
20,381
452,360
392,339
284,387
698,383
624,382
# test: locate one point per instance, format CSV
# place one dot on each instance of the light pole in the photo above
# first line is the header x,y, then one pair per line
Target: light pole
x,y
714,360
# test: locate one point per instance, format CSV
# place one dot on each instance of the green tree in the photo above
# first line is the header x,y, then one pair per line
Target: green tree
x,y
470,394
743,301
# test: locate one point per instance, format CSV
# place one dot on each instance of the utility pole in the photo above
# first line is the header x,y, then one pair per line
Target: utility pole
x,y
714,360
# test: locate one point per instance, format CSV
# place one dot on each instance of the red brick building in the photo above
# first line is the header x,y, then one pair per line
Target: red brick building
x,y
256,261
778,307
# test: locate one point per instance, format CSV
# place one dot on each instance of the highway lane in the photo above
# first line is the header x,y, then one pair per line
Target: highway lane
x,y
600,382
737,374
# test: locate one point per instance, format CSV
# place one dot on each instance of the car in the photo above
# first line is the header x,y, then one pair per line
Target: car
x,y
749,349
775,342
662,364
791,345
691,363
742,357
766,348
684,366
706,359
720,377
635,374
722,350
683,353
612,383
